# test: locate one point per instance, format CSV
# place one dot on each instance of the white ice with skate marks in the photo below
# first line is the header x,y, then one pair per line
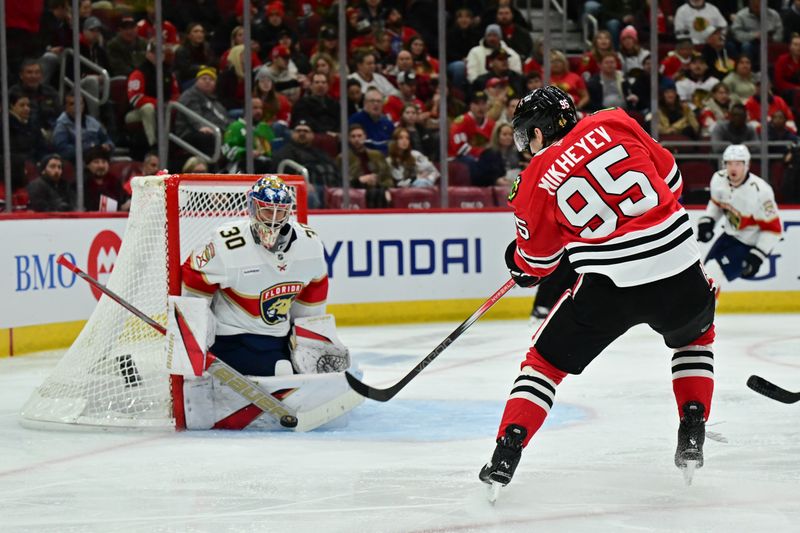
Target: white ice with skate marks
x,y
411,464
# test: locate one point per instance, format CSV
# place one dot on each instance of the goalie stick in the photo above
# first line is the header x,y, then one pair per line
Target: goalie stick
x,y
770,390
226,374
384,395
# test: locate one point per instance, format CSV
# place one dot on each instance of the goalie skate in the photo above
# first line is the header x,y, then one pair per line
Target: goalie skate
x,y
691,436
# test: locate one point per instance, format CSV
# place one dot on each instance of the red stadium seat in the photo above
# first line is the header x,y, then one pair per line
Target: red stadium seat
x,y
574,63
334,198
470,197
501,195
327,143
415,198
31,171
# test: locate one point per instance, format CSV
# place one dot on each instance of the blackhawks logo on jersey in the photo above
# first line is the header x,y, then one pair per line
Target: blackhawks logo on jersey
x,y
514,188
277,300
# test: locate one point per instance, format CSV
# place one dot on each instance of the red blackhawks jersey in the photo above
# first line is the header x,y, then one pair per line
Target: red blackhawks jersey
x,y
253,290
468,137
606,195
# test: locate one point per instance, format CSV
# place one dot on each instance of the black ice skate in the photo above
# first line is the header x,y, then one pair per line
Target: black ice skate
x,y
691,435
499,471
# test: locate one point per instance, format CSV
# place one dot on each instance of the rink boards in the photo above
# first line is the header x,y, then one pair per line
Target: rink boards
x,y
387,267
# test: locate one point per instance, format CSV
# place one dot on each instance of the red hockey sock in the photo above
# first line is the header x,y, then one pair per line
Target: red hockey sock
x,y
693,372
532,395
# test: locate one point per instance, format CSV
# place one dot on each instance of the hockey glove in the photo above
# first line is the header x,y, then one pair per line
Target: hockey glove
x,y
752,263
705,229
520,278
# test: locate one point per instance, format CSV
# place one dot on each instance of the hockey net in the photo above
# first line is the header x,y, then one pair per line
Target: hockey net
x,y
115,373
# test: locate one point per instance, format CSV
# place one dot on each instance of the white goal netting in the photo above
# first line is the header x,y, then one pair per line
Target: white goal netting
x,y
115,374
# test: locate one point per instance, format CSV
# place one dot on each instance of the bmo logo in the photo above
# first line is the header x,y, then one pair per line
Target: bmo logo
x,y
102,256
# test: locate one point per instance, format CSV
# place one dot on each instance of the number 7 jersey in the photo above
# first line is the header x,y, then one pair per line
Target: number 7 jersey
x,y
606,195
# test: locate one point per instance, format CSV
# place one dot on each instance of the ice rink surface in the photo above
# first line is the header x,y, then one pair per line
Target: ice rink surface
x,y
604,461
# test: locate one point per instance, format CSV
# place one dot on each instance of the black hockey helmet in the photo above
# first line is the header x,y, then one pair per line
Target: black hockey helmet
x,y
548,108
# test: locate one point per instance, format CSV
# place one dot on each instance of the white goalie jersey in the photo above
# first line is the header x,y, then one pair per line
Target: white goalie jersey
x,y
750,210
253,290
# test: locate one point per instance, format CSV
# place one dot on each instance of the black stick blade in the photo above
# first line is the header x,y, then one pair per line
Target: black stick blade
x,y
380,395
770,390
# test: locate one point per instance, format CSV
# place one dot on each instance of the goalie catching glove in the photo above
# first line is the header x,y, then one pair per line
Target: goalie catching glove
x,y
316,349
520,278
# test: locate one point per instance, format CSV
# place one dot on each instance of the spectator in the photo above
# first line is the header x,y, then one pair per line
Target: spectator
x,y
145,29
384,54
516,36
322,171
195,165
395,27
237,38
777,130
49,192
368,169
93,133
201,98
230,86
377,127
366,76
193,53
715,108
297,57
470,134
609,88
277,108
742,81
269,33
184,12
91,47
791,20
283,72
235,142
142,92
631,54
497,92
227,30
533,80
735,130
26,139
151,166
55,34
328,44
641,87
43,98
776,103
422,139
676,117
409,167
536,61
590,60
318,109
102,191
718,53
492,40
695,88
394,106
501,162
695,17
676,64
355,98
787,71
404,62
747,28
568,81
426,67
374,13
499,68
322,63
461,37
126,50
508,113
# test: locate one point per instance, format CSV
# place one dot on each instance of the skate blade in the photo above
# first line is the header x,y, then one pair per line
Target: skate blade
x,y
494,491
688,471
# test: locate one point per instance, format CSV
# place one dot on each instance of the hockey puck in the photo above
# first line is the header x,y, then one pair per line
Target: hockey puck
x,y
289,421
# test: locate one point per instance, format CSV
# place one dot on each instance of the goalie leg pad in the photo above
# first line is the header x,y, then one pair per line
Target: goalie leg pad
x,y
316,349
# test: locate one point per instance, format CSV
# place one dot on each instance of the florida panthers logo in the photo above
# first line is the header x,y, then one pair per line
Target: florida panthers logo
x,y
277,300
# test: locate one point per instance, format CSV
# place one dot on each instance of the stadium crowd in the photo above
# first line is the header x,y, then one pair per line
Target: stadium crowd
x,y
709,82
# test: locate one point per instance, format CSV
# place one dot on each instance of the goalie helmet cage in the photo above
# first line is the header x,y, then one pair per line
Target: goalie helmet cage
x,y
115,373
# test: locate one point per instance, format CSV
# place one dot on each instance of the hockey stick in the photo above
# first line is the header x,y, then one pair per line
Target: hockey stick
x,y
384,395
226,374
770,390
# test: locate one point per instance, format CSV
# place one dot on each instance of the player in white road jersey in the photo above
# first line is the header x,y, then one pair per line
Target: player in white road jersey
x,y
752,225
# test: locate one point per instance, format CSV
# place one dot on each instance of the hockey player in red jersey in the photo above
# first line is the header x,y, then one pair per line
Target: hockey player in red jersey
x,y
604,194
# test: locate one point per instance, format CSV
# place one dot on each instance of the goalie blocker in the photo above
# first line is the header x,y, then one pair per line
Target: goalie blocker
x,y
316,391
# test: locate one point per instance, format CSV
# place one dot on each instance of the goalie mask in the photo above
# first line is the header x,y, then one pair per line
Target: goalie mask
x,y
270,203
